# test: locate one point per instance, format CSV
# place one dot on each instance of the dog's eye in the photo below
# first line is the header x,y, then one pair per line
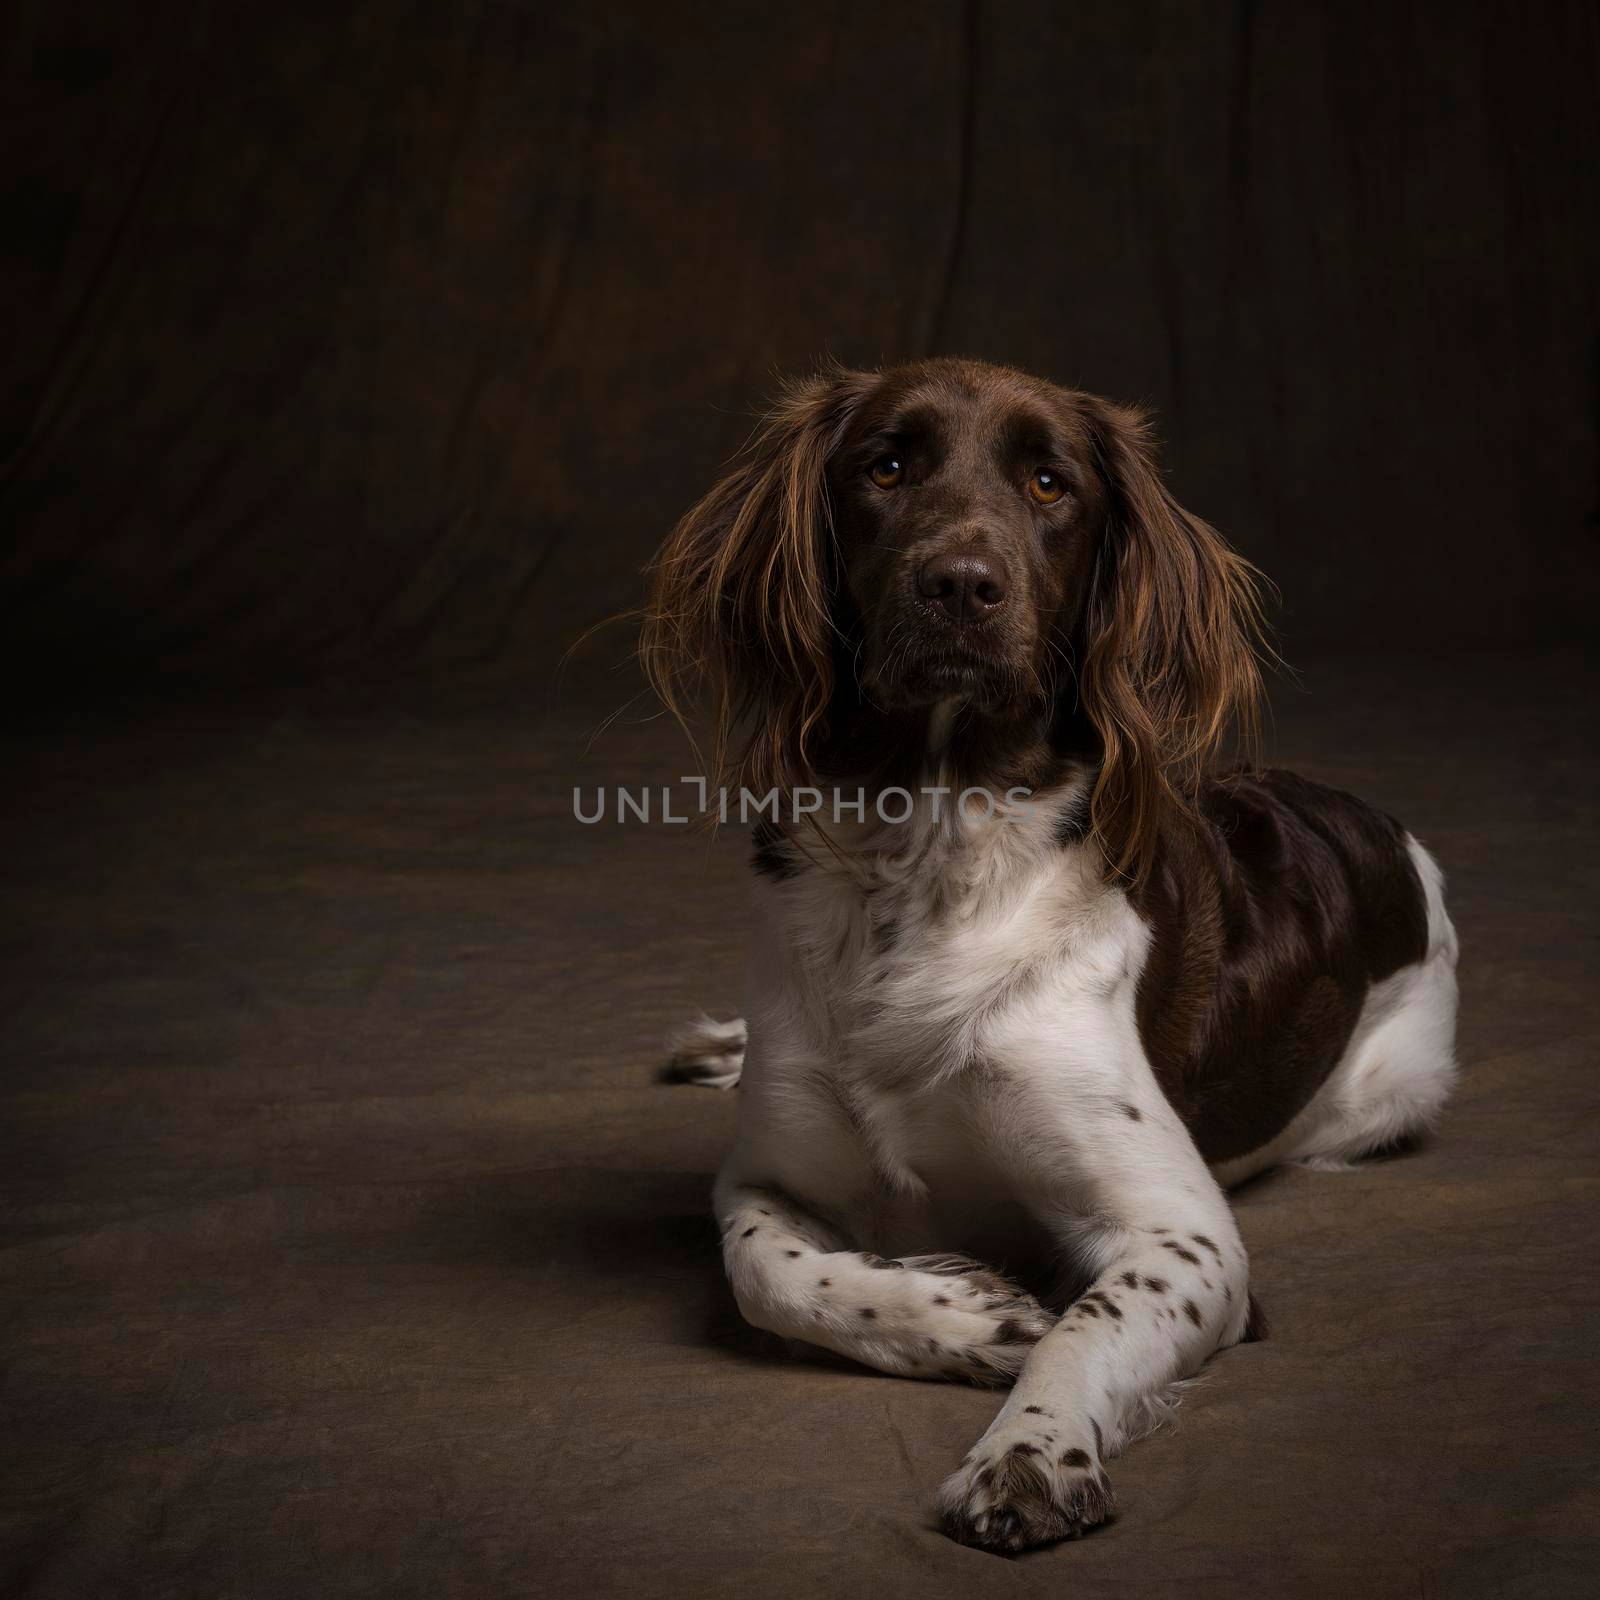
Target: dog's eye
x,y
1046,487
887,471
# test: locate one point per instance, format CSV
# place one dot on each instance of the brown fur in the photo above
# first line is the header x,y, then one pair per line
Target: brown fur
x,y
1269,923
771,591
739,599
1170,664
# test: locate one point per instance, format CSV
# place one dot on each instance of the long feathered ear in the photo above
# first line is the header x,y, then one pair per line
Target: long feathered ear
x,y
1170,665
740,600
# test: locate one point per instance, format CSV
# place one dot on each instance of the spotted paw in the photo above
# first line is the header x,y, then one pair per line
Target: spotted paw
x,y
921,1317
977,1325
1009,1497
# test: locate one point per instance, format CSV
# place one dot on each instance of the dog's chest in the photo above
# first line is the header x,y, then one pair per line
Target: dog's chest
x,y
911,973
904,992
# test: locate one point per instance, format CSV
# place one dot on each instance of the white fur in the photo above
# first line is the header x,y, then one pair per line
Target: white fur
x,y
943,1045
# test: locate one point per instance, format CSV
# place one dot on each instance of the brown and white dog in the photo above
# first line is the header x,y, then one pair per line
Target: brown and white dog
x,y
1043,1017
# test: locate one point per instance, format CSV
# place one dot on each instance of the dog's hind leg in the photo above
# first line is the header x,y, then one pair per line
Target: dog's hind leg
x,y
1397,1071
708,1053
1400,1067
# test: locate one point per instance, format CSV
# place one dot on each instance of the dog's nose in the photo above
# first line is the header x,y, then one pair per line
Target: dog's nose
x,y
967,585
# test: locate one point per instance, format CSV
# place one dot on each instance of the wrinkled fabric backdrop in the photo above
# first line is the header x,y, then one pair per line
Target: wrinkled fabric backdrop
x,y
355,359
385,336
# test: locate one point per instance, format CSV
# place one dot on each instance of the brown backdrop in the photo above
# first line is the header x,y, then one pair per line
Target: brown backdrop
x,y
348,1244
379,334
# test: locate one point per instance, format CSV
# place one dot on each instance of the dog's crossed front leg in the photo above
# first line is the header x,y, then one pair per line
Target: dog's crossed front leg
x,y
927,1316
1170,1287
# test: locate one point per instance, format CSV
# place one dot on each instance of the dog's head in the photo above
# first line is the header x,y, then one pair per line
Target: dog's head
x,y
950,531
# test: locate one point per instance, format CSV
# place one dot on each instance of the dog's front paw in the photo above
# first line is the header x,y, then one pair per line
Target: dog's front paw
x,y
1010,1496
980,1325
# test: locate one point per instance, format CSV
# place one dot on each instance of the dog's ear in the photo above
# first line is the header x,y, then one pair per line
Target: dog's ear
x,y
741,595
1172,630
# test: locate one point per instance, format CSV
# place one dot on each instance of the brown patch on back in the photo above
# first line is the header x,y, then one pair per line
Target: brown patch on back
x,y
1269,922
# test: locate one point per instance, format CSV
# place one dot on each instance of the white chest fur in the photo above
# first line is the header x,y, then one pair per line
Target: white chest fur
x,y
908,998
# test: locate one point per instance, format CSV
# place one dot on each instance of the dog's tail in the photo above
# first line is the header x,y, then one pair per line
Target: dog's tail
x,y
707,1052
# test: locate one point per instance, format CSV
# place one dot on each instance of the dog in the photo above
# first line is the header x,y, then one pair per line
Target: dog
x,y
1012,1036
